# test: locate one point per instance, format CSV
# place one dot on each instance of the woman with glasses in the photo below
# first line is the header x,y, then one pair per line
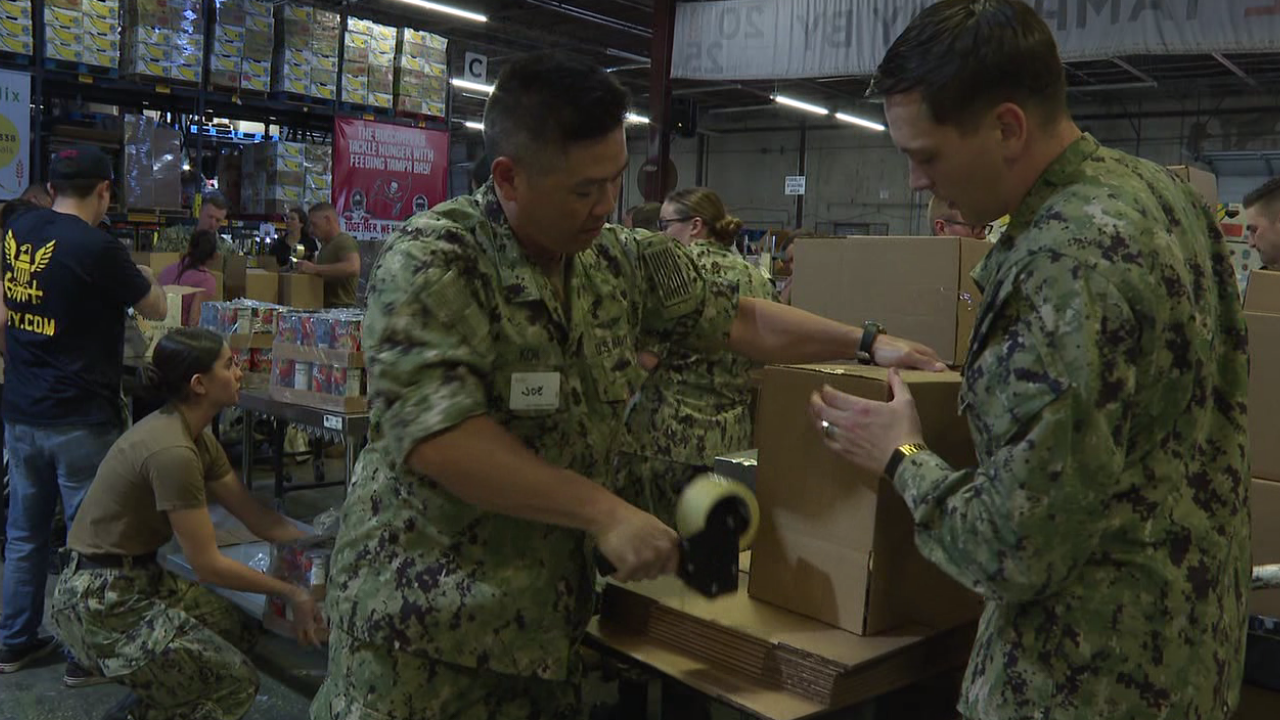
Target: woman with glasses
x,y
947,222
692,407
174,644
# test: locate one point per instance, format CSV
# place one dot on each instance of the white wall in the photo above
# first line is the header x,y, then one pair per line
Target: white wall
x,y
858,176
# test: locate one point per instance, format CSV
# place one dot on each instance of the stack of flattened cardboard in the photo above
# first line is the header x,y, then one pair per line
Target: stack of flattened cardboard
x,y
774,648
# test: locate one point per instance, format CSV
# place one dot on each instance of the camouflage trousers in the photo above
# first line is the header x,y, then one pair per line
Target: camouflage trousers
x,y
375,682
653,484
177,646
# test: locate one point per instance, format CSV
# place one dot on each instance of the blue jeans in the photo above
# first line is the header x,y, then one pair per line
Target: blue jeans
x,y
43,461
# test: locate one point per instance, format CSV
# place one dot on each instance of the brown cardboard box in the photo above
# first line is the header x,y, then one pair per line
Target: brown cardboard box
x,y
261,285
1258,704
305,292
157,261
1264,507
1205,183
918,287
1262,314
234,268
836,543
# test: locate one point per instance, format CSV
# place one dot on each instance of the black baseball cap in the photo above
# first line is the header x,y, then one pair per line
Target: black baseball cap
x,y
82,162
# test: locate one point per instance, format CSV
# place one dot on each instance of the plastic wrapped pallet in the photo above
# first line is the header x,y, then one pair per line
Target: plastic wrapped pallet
x,y
139,183
419,82
306,51
16,27
367,64
164,40
75,31
166,148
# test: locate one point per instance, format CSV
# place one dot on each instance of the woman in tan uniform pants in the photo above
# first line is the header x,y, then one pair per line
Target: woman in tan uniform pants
x,y
176,645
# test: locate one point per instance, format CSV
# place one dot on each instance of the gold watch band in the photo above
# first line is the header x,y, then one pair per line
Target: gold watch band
x,y
900,453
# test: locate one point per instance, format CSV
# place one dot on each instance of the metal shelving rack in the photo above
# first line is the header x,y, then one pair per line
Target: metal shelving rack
x,y
192,109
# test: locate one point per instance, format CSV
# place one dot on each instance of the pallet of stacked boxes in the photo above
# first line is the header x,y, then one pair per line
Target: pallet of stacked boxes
x,y
244,39
16,28
421,73
306,60
368,61
81,36
318,187
272,177
164,40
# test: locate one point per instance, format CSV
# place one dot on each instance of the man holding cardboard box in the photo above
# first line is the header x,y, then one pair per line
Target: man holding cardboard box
x,y
1106,523
500,341
66,287
1262,219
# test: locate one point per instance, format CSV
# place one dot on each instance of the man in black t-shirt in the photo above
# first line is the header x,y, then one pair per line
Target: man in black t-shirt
x,y
66,287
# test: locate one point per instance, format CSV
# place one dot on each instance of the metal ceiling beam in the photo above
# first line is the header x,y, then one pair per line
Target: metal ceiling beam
x,y
589,16
708,88
1113,86
660,49
1232,67
1136,72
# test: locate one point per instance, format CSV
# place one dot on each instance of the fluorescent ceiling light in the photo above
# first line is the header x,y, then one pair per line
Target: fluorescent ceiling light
x,y
473,124
860,121
426,4
634,118
784,100
468,85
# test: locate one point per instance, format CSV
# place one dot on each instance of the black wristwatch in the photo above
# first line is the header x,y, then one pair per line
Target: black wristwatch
x,y
900,453
870,329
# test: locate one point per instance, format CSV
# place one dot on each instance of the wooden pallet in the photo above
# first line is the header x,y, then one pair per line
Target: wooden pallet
x,y
361,109
80,68
161,81
11,58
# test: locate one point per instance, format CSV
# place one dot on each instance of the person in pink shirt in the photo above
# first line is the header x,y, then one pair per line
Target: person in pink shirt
x,y
192,270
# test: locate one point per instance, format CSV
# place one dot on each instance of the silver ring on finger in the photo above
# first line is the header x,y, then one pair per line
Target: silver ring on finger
x,y
828,430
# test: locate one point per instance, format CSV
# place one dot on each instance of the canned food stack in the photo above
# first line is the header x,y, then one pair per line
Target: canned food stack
x,y
75,31
164,40
250,328
368,62
317,360
421,81
16,27
306,59
243,42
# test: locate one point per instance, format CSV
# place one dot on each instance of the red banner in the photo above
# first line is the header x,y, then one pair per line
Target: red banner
x,y
383,174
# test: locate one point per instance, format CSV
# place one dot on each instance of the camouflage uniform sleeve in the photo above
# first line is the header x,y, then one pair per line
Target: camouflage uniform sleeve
x,y
1054,387
426,341
683,306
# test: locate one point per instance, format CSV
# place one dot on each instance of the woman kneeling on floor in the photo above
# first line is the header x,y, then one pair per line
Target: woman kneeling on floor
x,y
177,646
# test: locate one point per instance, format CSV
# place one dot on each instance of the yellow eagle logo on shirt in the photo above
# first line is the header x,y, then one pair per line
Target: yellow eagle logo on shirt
x,y
20,259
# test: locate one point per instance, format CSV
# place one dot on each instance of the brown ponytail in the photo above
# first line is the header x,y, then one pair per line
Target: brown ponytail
x,y
704,203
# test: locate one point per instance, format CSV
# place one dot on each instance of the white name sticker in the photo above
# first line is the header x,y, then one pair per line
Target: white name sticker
x,y
535,391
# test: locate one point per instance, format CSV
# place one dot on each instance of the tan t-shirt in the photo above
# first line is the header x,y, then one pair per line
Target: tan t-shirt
x,y
339,292
155,467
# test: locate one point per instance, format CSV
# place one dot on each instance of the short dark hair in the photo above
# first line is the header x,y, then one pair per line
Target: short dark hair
x,y
216,199
179,356
35,192
546,101
80,189
1268,193
322,207
965,57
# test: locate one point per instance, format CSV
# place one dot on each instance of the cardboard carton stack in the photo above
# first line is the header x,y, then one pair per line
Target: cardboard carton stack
x,y
152,165
368,63
306,59
272,177
243,42
164,40
79,32
1262,314
279,175
917,287
420,77
16,27
318,361
249,327
318,182
813,666
1264,505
